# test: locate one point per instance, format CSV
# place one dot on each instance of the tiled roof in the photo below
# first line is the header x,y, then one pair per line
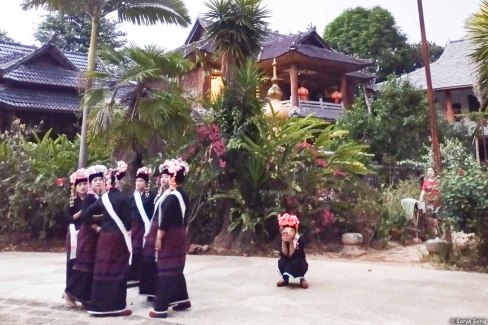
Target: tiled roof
x,y
454,69
40,100
275,45
45,76
10,53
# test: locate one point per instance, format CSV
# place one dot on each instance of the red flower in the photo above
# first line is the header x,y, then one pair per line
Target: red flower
x,y
328,217
339,173
320,163
222,163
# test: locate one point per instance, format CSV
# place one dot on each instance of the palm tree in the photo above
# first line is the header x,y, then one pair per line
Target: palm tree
x,y
141,12
477,26
237,28
135,114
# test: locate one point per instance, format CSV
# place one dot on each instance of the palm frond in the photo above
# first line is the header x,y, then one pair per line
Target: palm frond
x,y
60,5
149,12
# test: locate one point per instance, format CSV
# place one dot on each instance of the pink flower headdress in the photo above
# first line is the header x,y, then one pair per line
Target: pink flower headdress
x,y
115,174
177,165
79,176
145,173
288,220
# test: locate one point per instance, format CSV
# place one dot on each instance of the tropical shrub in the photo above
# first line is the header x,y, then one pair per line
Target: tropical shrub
x,y
390,197
29,166
464,195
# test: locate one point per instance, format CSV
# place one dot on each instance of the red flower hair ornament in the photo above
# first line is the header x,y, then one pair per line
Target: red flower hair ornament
x,y
288,220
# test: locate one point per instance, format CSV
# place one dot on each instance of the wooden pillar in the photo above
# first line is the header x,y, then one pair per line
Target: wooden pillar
x,y
344,92
294,85
449,110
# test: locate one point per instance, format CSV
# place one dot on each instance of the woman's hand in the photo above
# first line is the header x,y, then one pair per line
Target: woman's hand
x,y
76,215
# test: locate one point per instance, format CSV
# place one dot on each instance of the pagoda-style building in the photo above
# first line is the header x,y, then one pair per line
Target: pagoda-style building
x,y
40,84
312,76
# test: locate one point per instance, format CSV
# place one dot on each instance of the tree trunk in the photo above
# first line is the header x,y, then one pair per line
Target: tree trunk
x,y
92,60
226,68
223,241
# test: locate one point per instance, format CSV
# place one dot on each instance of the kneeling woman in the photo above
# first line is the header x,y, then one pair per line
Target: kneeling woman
x,y
114,248
292,262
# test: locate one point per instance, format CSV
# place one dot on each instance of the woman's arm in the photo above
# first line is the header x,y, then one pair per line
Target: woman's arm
x,y
159,239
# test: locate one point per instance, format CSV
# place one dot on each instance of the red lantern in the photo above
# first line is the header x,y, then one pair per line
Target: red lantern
x,y
303,93
336,96
60,182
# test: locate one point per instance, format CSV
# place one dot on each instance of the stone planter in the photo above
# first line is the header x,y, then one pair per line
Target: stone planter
x,y
436,246
352,245
352,238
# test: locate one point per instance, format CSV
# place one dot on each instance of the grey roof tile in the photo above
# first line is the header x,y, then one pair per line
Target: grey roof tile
x,y
454,69
41,100
45,76
275,44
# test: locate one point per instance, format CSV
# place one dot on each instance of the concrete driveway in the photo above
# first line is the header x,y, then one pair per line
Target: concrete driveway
x,y
242,290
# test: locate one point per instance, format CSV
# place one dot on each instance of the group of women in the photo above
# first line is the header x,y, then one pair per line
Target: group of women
x,y
115,240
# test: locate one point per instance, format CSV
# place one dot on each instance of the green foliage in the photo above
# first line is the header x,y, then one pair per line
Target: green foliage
x,y
454,155
237,28
134,116
235,110
358,209
478,33
71,32
464,195
29,166
4,37
393,215
398,106
372,33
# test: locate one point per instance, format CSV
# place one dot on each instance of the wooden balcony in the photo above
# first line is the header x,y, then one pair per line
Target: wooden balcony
x,y
325,110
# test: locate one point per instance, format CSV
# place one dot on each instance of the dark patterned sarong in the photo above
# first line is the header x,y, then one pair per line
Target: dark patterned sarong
x,y
86,249
294,267
109,290
80,274
72,287
137,234
148,271
171,287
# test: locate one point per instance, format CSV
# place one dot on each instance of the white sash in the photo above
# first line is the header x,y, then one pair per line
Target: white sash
x,y
115,217
182,203
180,200
157,203
73,236
142,211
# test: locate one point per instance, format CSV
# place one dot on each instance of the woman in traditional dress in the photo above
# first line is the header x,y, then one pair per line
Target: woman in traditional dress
x,y
171,247
114,248
148,269
142,207
430,193
87,239
292,262
79,188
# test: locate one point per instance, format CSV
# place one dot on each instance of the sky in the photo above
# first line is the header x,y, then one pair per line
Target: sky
x,y
444,19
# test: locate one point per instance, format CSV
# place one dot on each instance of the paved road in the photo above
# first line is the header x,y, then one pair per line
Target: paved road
x,y
241,290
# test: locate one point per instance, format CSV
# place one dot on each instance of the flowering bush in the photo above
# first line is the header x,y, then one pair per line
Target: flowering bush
x,y
30,200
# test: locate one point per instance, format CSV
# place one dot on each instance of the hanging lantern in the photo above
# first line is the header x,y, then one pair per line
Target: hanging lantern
x,y
336,96
60,182
303,93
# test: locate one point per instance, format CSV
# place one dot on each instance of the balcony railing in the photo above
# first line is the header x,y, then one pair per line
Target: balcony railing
x,y
328,111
